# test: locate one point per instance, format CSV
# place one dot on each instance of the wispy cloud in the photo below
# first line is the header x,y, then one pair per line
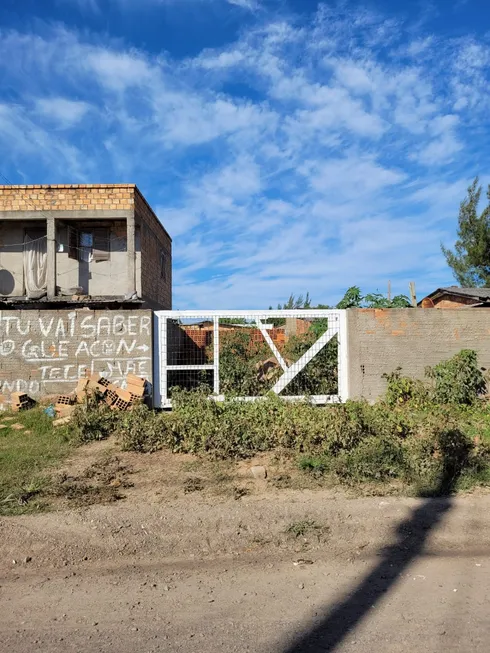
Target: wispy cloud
x,y
61,112
305,155
96,5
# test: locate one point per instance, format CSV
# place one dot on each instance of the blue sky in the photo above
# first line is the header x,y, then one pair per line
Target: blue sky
x,y
286,145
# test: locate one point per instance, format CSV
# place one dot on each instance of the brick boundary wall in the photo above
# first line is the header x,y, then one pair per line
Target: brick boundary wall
x,y
44,352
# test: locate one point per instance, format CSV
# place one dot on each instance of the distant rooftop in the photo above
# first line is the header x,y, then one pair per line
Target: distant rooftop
x,y
477,293
481,296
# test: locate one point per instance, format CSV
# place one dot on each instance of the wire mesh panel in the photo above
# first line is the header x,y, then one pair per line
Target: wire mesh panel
x,y
247,354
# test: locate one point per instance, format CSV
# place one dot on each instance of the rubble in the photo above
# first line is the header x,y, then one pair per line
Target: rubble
x,y
115,397
92,384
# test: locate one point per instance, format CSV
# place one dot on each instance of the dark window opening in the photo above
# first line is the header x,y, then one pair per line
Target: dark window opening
x,y
89,245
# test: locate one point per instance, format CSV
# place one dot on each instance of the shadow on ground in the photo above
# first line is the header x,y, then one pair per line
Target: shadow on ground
x,y
411,536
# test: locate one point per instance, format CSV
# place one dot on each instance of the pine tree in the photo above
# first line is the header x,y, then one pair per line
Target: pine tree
x,y
470,260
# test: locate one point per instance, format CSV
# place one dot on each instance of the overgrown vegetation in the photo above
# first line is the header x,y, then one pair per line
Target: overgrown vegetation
x,y
432,436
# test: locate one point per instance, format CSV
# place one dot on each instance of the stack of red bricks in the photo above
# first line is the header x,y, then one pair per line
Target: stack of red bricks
x,y
94,384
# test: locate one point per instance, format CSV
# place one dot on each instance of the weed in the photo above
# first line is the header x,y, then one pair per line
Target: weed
x,y
194,484
377,458
302,528
239,492
315,465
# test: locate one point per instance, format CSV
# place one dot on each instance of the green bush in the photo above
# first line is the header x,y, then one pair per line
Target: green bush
x,y
458,380
403,389
319,377
239,358
93,420
144,431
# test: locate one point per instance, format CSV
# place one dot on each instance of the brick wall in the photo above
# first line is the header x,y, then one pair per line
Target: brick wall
x,y
156,283
44,352
67,198
380,340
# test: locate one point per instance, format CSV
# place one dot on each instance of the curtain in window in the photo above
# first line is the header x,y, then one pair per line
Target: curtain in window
x,y
35,266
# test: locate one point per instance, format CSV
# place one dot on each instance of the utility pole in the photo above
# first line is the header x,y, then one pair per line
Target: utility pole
x,y
389,291
413,295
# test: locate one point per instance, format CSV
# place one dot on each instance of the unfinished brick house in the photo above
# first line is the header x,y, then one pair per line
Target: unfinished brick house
x,y
100,245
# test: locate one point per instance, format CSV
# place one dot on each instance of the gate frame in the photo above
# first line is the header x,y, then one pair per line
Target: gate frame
x,y
161,366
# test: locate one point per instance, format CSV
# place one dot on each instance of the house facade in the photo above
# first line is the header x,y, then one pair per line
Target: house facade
x,y
99,244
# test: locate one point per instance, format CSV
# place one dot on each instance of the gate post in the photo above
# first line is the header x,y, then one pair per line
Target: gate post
x,y
163,361
343,357
216,355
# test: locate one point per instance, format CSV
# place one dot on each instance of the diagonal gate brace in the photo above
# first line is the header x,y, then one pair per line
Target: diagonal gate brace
x,y
271,344
295,369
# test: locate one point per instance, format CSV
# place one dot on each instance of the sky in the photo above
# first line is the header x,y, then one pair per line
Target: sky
x,y
286,145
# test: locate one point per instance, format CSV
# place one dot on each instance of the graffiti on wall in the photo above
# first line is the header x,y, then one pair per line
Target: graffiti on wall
x,y
40,349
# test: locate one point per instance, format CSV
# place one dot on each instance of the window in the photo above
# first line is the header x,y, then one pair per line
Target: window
x,y
101,245
163,271
89,245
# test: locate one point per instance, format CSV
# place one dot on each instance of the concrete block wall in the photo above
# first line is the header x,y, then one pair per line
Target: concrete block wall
x,y
45,352
380,340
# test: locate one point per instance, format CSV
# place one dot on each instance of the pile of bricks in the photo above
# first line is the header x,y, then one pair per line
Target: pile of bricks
x,y
96,385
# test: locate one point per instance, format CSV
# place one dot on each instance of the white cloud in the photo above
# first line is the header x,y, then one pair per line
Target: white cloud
x,y
117,70
61,112
352,176
94,5
304,155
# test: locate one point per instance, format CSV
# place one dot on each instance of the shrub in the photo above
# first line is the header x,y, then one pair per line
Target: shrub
x,y
239,357
144,431
376,458
458,380
437,460
319,377
93,420
403,389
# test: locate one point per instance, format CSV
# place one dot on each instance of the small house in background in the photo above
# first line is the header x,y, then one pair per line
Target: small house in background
x,y
456,297
99,245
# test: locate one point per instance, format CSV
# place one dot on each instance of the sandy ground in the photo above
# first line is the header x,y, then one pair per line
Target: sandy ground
x,y
205,573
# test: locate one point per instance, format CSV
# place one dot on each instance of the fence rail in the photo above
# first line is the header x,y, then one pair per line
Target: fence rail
x,y
247,354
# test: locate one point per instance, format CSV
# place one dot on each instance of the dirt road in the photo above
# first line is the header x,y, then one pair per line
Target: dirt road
x,y
285,573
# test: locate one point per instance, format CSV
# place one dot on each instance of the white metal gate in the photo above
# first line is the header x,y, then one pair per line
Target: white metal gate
x,y
246,354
